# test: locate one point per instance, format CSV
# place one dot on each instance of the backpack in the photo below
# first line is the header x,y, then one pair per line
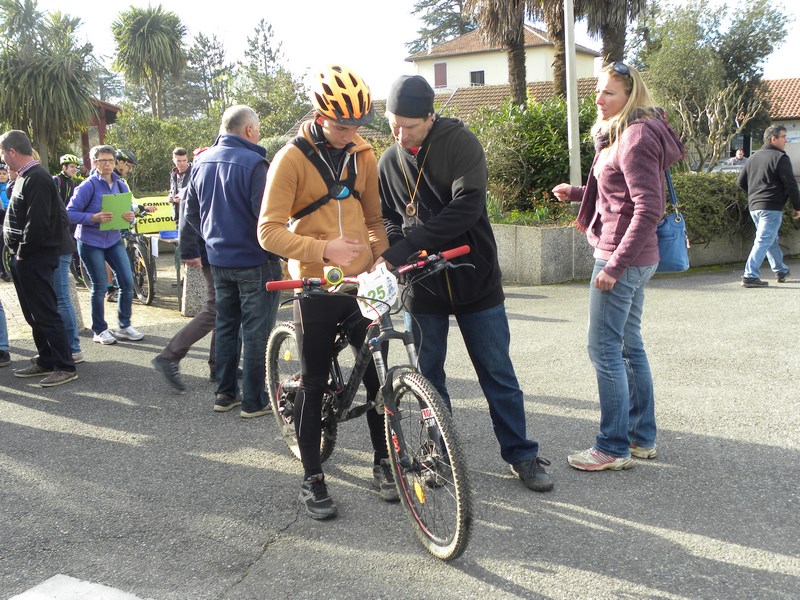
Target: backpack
x,y
336,189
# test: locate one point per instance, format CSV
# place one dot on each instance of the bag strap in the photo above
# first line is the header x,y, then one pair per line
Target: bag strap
x,y
311,154
673,198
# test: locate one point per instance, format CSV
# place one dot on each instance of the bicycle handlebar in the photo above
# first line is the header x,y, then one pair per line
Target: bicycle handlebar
x,y
289,284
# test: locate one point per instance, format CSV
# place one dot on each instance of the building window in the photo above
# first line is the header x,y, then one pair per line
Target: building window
x,y
440,75
476,78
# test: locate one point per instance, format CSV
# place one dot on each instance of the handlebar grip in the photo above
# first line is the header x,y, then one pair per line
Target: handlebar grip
x,y
454,252
286,284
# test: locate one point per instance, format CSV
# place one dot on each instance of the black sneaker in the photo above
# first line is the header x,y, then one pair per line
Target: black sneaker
x,y
5,358
112,295
533,475
781,277
170,370
753,282
225,403
315,498
383,481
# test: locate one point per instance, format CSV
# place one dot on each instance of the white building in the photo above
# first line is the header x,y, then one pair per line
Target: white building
x,y
469,61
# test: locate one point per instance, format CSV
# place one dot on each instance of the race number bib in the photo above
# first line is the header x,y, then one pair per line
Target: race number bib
x,y
377,292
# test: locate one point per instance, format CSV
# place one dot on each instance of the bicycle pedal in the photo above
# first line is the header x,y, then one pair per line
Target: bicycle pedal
x,y
357,411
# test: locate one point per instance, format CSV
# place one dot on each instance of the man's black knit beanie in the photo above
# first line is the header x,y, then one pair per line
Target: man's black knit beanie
x,y
411,97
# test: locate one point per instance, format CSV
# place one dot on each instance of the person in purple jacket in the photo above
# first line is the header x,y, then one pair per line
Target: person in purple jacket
x,y
96,246
621,205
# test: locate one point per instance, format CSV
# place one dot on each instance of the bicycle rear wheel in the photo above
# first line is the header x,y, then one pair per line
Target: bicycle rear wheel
x,y
429,467
143,277
283,383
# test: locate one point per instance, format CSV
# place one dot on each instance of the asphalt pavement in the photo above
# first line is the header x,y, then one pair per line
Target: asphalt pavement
x,y
117,481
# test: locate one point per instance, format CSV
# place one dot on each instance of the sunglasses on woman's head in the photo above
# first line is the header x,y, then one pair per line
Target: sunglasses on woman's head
x,y
622,69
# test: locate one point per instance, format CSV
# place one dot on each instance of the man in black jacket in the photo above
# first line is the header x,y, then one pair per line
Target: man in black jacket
x,y
36,230
433,192
768,180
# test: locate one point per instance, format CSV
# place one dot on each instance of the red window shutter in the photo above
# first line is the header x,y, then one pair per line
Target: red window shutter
x,y
440,75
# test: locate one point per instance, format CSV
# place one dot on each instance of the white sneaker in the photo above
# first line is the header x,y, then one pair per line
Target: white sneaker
x,y
78,357
127,333
105,338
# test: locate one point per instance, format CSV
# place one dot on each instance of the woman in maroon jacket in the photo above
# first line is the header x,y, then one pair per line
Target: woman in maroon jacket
x,y
621,204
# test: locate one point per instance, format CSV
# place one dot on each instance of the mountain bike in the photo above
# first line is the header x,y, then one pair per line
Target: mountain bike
x,y
425,454
143,264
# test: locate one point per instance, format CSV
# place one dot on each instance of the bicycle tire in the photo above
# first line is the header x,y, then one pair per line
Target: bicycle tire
x,y
143,279
7,261
433,485
283,381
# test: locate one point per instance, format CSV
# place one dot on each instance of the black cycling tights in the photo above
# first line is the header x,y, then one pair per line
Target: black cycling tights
x,y
316,321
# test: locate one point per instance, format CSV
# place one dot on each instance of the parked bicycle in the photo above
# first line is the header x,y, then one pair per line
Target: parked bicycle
x,y
427,462
143,263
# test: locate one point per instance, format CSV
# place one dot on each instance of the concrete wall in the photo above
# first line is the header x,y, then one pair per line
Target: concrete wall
x,y
545,255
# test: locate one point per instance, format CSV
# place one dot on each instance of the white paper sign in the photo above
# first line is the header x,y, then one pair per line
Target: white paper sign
x,y
377,292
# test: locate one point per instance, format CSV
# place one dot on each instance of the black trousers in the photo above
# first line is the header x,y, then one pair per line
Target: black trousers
x,y
33,279
316,321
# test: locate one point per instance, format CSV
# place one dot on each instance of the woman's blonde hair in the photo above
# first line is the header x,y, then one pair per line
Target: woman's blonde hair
x,y
639,105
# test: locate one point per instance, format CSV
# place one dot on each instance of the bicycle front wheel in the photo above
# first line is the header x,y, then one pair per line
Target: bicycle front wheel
x,y
143,276
429,467
283,384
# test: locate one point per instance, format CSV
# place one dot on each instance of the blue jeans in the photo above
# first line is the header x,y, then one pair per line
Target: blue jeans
x,y
3,330
767,223
487,339
616,349
95,258
65,308
243,303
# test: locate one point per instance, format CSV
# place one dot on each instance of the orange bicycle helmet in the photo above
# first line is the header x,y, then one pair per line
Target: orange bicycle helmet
x,y
341,95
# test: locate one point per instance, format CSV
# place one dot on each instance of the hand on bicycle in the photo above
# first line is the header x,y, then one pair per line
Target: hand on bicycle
x,y
381,261
343,251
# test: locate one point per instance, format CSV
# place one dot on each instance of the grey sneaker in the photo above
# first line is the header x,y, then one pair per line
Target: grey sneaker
x,y
225,403
256,413
77,358
315,498
594,460
58,377
32,371
643,451
127,333
753,282
170,370
532,474
383,481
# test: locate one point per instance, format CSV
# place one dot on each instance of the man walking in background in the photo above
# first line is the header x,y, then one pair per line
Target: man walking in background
x,y
768,180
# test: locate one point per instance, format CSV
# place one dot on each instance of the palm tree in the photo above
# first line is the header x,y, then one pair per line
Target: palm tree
x,y
503,23
551,12
47,80
149,47
609,19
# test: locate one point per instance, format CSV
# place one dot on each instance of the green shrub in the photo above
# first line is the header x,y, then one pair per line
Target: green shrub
x,y
527,153
715,207
152,140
